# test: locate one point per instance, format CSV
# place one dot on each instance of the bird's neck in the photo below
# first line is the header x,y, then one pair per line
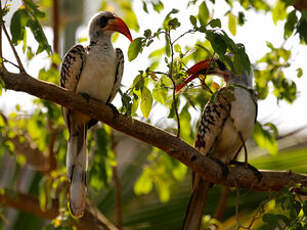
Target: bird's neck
x,y
244,80
103,41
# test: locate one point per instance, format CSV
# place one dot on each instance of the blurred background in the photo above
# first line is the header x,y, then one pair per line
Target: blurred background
x,y
153,188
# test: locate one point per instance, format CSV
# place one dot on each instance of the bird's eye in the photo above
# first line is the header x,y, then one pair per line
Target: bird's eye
x,y
103,21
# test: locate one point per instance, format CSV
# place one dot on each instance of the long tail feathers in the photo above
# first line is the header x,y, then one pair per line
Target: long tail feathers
x,y
76,164
194,213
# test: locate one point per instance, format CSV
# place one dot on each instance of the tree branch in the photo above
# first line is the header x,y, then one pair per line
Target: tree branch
x,y
173,146
92,218
300,5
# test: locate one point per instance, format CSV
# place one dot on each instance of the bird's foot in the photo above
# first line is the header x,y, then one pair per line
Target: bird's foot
x,y
256,172
86,96
115,111
224,168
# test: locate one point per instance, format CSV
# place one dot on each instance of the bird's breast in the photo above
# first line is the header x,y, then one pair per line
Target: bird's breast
x,y
242,119
98,75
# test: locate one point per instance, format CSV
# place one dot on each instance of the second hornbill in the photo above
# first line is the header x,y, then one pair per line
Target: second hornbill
x,y
226,123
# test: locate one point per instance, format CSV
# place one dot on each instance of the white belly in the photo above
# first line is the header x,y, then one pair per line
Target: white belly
x,y
98,74
243,115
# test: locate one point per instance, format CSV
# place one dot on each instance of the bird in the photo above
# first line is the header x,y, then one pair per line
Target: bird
x,y
93,71
226,123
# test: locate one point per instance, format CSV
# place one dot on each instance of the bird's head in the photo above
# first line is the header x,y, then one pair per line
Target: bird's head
x,y
217,67
106,23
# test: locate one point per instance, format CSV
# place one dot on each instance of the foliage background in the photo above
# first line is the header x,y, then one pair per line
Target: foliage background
x,y
154,188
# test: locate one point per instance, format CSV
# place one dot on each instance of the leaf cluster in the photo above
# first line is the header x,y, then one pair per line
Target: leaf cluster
x,y
28,16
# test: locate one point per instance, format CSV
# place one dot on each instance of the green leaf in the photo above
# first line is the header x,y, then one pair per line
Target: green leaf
x,y
217,42
265,139
129,15
279,12
33,9
232,26
158,6
299,72
147,33
241,18
160,94
241,60
215,23
157,53
203,13
290,24
302,28
273,128
18,24
146,102
126,103
1,85
39,36
193,20
177,48
173,23
135,48
168,18
145,7
144,184
24,47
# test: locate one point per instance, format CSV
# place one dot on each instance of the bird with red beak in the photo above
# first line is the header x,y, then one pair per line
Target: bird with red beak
x,y
226,123
93,71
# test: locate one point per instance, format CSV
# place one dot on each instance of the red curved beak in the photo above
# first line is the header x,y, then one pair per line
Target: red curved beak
x,y
194,71
118,25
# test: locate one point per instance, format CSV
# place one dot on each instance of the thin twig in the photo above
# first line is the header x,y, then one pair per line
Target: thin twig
x,y
255,217
8,61
159,72
173,81
14,50
182,35
117,186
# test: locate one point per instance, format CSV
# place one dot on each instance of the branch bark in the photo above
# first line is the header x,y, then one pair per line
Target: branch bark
x,y
173,146
300,5
92,218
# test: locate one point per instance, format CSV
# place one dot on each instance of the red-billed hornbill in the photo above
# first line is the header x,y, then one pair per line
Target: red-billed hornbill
x,y
95,71
226,123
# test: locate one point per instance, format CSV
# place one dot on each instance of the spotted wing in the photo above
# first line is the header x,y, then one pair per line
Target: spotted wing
x,y
71,69
212,122
72,66
118,73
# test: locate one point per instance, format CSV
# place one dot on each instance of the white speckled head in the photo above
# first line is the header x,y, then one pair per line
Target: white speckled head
x,y
103,24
